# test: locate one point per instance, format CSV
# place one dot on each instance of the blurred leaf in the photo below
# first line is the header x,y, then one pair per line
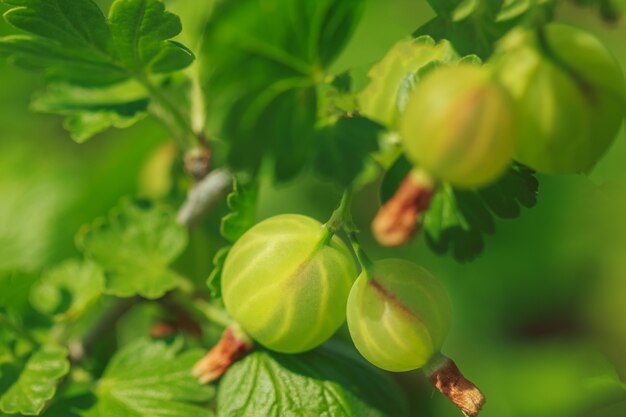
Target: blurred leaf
x,y
151,379
32,200
242,202
93,110
344,147
69,289
322,382
215,279
474,26
25,387
135,245
380,99
282,63
457,219
72,41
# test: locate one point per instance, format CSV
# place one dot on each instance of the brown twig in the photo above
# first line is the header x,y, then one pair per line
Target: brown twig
x,y
205,195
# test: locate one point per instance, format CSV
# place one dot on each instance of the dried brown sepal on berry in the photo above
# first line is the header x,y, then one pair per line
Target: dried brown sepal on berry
x,y
233,346
398,220
443,373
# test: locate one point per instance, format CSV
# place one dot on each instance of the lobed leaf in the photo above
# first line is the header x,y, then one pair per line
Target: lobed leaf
x,y
474,26
25,387
151,379
273,117
93,110
69,289
323,382
76,47
135,245
457,220
380,100
215,278
242,202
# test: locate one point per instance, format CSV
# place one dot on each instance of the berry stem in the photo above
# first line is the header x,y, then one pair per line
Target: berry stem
x,y
341,219
443,373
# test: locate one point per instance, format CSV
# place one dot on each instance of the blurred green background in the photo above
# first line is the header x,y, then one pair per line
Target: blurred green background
x,y
540,317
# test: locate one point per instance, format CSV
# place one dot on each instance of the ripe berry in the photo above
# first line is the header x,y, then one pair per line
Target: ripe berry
x,y
398,315
458,125
286,282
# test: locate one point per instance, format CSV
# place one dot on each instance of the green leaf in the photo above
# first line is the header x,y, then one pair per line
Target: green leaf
x,y
25,387
69,289
93,110
380,99
273,117
72,41
344,147
135,245
474,26
242,202
151,379
457,220
323,382
140,31
215,279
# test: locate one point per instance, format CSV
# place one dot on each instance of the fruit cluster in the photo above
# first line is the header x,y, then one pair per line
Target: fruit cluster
x,y
289,281
553,99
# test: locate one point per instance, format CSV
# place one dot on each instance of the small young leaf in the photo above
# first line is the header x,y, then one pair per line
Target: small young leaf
x,y
379,100
323,382
66,291
215,279
242,203
135,245
25,387
93,110
344,146
151,379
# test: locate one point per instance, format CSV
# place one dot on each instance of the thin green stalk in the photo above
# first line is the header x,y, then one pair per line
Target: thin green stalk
x,y
342,216
341,219
213,313
183,129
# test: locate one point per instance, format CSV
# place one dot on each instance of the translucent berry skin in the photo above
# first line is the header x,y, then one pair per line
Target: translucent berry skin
x,y
398,318
459,126
286,282
570,95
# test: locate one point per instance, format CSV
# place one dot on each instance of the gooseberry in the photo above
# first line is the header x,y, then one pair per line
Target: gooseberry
x,y
570,96
459,126
286,282
398,315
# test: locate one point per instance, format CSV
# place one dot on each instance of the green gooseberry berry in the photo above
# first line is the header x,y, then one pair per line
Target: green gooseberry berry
x,y
398,315
286,282
459,126
570,96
